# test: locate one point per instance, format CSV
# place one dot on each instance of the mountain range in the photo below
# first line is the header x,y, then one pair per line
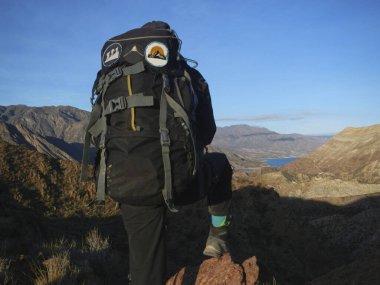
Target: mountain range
x,y
59,132
263,143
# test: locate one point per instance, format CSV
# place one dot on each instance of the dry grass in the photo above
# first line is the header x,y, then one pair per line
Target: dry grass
x,y
60,245
80,259
95,242
52,186
71,262
55,270
4,264
5,275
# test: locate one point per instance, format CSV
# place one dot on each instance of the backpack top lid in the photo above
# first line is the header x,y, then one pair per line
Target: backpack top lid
x,y
156,25
154,43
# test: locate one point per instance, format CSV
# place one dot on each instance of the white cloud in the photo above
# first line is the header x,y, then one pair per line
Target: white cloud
x,y
270,117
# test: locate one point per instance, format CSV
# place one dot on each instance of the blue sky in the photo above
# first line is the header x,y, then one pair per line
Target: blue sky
x,y
310,67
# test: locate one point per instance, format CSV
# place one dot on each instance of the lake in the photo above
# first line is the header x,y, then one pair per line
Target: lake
x,y
276,162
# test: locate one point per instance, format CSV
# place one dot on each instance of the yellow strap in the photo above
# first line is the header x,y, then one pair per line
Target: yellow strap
x,y
132,109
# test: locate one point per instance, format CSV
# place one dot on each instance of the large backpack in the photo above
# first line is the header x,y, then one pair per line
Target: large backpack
x,y
144,120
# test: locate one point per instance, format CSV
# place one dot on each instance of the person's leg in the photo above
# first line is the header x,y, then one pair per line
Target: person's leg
x,y
146,237
218,175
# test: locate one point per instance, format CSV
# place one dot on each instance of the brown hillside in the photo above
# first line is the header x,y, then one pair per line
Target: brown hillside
x,y
29,174
57,131
353,154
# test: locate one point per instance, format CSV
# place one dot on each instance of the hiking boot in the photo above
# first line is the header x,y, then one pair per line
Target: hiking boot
x,y
217,242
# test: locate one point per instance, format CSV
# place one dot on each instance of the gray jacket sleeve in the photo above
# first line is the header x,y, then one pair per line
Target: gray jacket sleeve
x,y
204,113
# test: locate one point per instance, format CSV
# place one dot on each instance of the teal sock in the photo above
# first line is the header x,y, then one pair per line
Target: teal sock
x,y
218,221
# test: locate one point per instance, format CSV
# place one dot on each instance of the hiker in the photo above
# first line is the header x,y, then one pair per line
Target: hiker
x,y
151,121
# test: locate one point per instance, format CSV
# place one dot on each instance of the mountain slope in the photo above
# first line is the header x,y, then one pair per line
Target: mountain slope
x,y
56,131
62,122
45,182
347,167
353,154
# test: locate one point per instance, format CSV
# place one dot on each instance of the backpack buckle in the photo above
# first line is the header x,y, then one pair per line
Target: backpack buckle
x,y
165,139
107,79
115,74
119,104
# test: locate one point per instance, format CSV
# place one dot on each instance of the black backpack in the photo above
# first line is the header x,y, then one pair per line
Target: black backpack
x,y
150,122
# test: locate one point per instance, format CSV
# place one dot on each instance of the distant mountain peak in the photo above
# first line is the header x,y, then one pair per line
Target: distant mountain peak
x,y
263,142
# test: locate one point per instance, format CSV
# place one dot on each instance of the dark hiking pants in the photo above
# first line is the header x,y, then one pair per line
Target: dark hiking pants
x,y
145,225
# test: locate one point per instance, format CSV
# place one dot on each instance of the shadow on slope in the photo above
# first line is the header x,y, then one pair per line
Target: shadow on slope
x,y
30,241
290,238
12,135
75,150
294,240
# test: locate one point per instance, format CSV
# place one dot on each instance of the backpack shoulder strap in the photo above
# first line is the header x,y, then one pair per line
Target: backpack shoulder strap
x,y
97,125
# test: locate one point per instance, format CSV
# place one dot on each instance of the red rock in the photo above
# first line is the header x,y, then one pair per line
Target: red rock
x,y
251,270
216,271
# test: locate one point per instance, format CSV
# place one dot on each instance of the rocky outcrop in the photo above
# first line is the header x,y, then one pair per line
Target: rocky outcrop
x,y
220,271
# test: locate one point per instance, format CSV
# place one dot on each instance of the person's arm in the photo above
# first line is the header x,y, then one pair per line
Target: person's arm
x,y
204,113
